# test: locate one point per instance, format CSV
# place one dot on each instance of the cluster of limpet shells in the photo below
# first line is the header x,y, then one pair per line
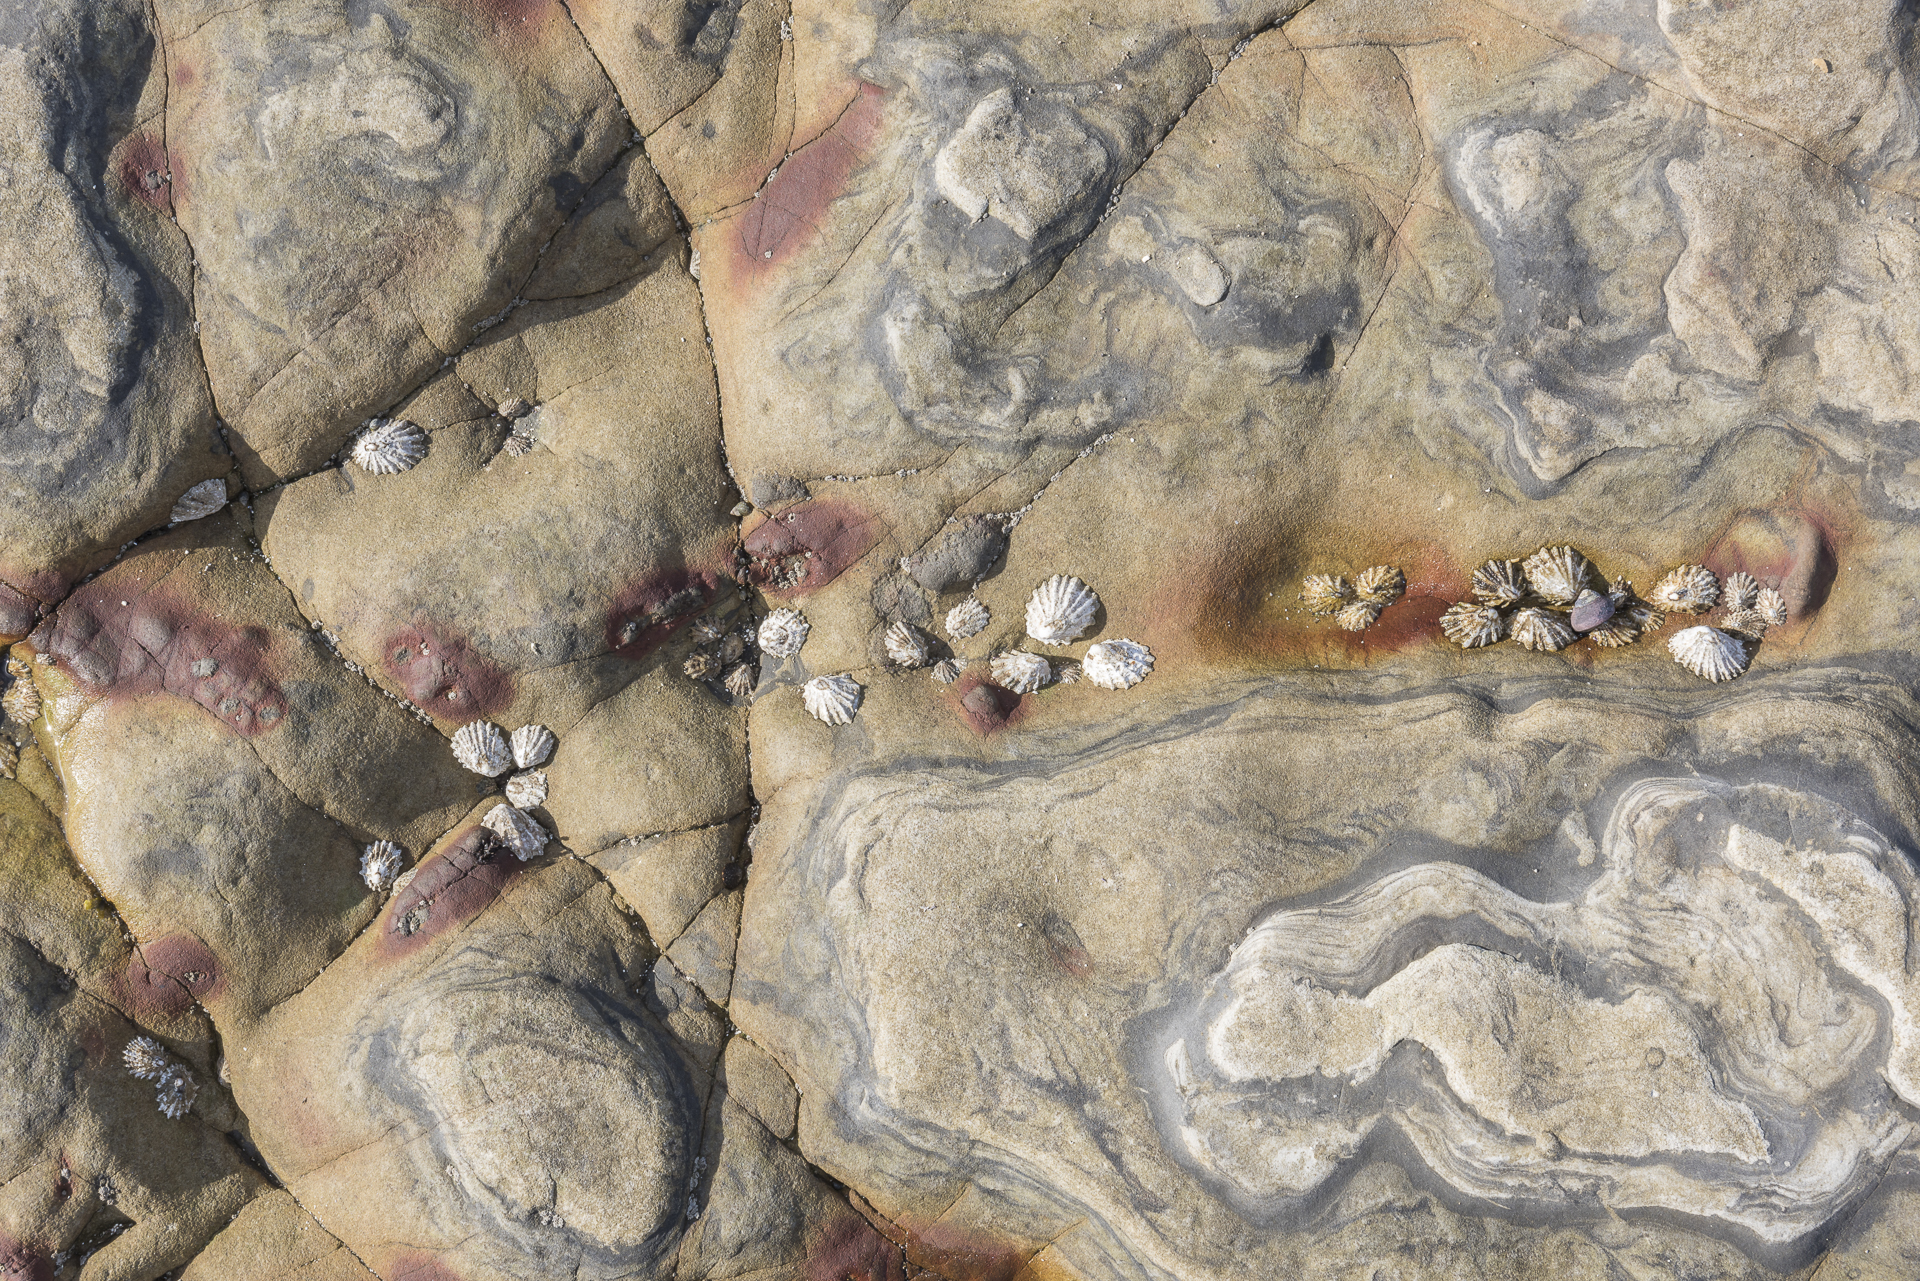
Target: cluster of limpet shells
x,y
488,750
1355,605
1059,612
728,656
174,1087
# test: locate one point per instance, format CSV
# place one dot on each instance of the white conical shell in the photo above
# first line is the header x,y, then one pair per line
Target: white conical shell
x,y
741,680
204,499
1470,626
1357,616
145,1058
832,700
520,830
532,745
1500,582
379,865
783,632
1690,589
1060,609
947,670
1325,593
1709,653
527,789
21,702
1019,672
906,646
389,445
1740,591
1380,584
482,748
1560,574
175,1092
1116,664
1771,606
967,618
1538,629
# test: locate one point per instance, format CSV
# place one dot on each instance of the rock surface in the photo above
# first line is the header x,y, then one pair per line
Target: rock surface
x,y
1327,948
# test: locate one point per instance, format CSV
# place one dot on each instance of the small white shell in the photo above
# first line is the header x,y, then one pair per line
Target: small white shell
x,y
517,445
1740,591
9,758
145,1058
1500,582
1068,673
1709,653
1470,626
967,618
527,789
1771,606
1358,616
520,830
389,445
1019,672
1690,589
532,745
906,646
21,702
783,632
1060,609
1559,574
701,665
482,748
947,670
1325,593
1381,584
379,864
832,700
742,680
1117,664
204,499
1538,629
175,1092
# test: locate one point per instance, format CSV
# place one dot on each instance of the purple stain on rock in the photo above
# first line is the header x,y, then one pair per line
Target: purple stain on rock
x,y
1590,609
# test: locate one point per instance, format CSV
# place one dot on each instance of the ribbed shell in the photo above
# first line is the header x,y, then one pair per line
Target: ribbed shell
x,y
1740,591
379,865
145,1058
520,830
532,745
1019,672
389,445
1538,629
708,629
1560,574
1117,664
1745,623
9,758
1060,609
1709,653
947,670
1470,626
204,499
1380,584
783,632
1690,589
21,702
1325,593
482,747
1500,582
967,618
175,1092
527,789
832,700
741,680
906,646
517,445
1358,616
701,665
1067,673
1771,606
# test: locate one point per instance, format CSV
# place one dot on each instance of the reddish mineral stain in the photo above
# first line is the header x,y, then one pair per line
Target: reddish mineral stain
x,y
118,637
168,975
448,890
986,707
651,609
957,1253
850,1250
146,173
810,544
18,1262
444,675
1789,550
420,1267
786,214
507,20
18,613
184,74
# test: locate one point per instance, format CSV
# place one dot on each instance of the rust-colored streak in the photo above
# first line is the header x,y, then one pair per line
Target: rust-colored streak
x,y
787,212
985,707
146,172
443,674
448,890
957,1253
850,1250
414,1266
653,607
806,546
168,975
21,1262
119,638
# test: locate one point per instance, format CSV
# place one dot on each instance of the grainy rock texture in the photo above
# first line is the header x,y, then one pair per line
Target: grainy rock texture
x,y
1288,939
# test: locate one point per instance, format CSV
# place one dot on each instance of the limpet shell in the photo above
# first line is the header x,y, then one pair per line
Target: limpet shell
x,y
967,618
1060,609
1500,582
21,702
379,865
1771,606
783,632
1067,673
203,500
1559,574
1709,653
1325,593
145,1058
389,445
742,680
175,1092
947,670
1358,616
701,665
1539,629
1381,584
1690,589
482,747
1740,591
707,629
1019,672
1117,664
9,758
1470,626
527,789
532,745
832,700
906,646
517,445
520,830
